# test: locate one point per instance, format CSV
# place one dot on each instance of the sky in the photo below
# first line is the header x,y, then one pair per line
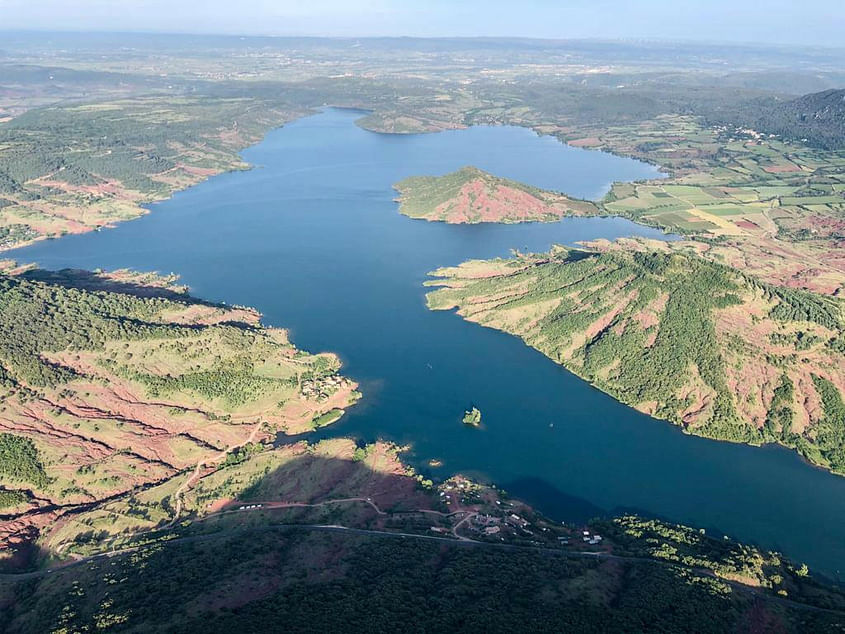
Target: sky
x,y
805,22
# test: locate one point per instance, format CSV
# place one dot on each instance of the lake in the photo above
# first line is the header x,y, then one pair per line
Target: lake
x,y
313,239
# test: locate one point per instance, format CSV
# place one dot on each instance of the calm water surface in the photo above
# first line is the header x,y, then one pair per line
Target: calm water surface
x,y
313,239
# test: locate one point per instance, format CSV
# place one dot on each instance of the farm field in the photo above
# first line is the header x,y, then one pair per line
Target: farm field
x,y
759,204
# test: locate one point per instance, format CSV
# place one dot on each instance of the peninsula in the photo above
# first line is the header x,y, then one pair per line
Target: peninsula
x,y
674,335
112,384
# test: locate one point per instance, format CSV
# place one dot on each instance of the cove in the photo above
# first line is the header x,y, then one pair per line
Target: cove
x,y
313,239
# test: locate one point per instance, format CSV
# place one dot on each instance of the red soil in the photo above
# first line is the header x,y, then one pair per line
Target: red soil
x,y
478,201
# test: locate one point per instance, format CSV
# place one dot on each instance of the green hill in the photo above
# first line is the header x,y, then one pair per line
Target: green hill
x,y
676,336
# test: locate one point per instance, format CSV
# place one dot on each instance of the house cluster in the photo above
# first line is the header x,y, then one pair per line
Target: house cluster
x,y
457,490
321,389
593,539
743,133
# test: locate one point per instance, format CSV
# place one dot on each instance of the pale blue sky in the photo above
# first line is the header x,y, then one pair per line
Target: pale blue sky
x,y
774,21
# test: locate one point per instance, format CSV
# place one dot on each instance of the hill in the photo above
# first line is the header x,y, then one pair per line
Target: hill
x,y
676,336
111,384
470,195
817,119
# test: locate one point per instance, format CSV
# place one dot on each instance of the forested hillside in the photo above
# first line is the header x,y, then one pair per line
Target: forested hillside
x,y
676,336
319,581
817,119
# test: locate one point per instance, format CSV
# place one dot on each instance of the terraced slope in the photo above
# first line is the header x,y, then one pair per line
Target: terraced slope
x,y
676,336
103,392
470,195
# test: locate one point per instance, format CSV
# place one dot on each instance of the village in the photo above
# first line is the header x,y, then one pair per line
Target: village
x,y
483,513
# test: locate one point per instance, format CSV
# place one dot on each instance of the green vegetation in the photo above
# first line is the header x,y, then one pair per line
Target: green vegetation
x,y
124,153
781,414
639,537
37,318
252,584
671,334
115,384
242,454
19,461
816,119
472,417
470,195
10,499
327,419
831,433
696,343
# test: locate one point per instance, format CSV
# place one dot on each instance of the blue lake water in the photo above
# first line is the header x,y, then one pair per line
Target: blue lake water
x,y
312,238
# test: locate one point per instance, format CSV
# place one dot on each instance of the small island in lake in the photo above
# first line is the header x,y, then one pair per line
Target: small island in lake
x,y
472,417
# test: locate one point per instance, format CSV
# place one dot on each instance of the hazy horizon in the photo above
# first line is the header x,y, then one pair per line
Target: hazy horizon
x,y
778,22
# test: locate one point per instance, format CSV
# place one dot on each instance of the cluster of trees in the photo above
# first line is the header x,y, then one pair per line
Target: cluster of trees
x,y
20,462
128,141
38,317
242,454
781,414
644,537
830,437
798,305
11,498
234,387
